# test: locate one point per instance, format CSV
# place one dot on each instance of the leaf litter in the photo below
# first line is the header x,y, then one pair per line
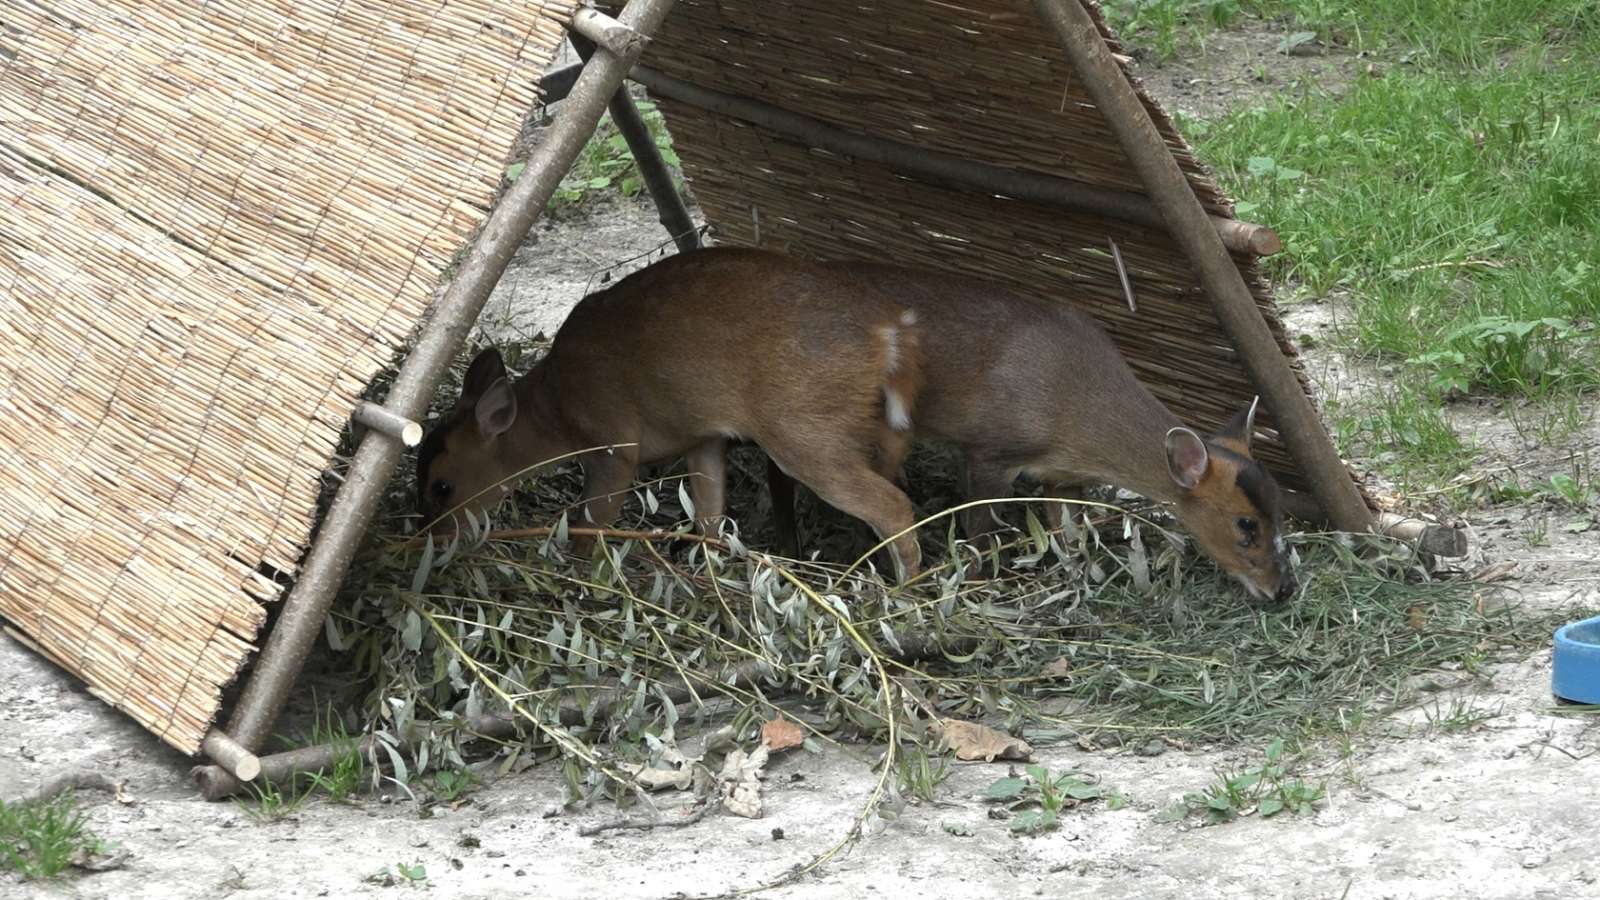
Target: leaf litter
x,y
1076,637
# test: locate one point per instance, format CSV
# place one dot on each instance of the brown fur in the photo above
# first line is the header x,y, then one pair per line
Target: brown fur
x,y
1027,387
676,360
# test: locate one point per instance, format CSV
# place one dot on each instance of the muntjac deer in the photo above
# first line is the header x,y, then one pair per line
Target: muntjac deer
x,y
680,358
1027,387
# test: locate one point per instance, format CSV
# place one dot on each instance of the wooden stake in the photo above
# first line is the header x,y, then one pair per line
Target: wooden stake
x,y
383,421
227,753
599,28
1191,227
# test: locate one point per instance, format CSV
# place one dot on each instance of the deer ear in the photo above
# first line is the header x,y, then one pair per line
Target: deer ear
x,y
496,409
487,368
1241,427
1187,457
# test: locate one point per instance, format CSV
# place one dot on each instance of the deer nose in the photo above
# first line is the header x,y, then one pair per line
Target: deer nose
x,y
1287,585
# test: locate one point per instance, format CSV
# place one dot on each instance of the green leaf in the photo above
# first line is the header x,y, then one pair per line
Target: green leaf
x,y
419,578
1081,790
958,829
1040,538
1006,789
1260,165
1038,773
515,169
599,183
1270,806
1033,821
1579,527
411,634
1298,39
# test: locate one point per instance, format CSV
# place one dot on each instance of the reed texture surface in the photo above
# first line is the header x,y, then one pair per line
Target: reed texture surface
x,y
979,79
221,221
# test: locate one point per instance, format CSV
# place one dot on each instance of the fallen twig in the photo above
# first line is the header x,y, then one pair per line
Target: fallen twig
x,y
637,824
78,779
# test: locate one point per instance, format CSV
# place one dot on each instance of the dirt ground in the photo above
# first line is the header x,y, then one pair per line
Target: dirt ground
x,y
1501,809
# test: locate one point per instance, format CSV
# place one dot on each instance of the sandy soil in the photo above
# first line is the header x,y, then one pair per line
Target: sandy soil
x,y
1502,809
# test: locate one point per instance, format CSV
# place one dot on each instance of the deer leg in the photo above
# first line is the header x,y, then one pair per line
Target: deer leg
x,y
785,526
606,479
1060,514
852,487
708,478
983,479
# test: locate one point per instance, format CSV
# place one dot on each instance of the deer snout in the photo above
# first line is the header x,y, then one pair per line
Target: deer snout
x,y
1287,584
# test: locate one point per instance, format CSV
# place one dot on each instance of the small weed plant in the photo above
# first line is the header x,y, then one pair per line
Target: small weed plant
x,y
1038,798
1267,790
42,840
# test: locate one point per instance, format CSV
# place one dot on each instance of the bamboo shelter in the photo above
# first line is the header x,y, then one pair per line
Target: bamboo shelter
x,y
202,283
221,221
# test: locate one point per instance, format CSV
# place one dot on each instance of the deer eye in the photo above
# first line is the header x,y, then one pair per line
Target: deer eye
x,y
1248,528
441,489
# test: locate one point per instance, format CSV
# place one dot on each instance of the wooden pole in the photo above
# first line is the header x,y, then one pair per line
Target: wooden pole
x,y
1191,227
452,317
598,28
383,421
670,208
948,170
236,760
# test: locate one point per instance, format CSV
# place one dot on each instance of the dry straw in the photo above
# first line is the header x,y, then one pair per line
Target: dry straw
x,y
979,79
220,222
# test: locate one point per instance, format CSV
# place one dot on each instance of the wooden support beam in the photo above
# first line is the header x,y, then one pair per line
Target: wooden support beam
x,y
385,422
948,170
671,210
453,315
600,29
232,758
556,84
1191,227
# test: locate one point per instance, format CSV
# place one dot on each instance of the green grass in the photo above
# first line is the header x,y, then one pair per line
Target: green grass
x,y
42,840
606,164
1427,32
1267,789
1403,432
1461,216
1453,202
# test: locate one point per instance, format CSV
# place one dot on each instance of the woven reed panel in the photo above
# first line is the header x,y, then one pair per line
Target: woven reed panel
x,y
220,222
979,79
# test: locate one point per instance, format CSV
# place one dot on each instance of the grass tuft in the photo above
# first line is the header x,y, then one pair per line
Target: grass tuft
x,y
42,840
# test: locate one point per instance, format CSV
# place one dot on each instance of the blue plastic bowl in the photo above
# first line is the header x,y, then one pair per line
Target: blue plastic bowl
x,y
1575,662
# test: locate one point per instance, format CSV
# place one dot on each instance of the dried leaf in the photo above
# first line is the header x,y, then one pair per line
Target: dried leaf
x,y
781,734
1497,572
1416,619
969,741
669,767
739,782
1059,667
